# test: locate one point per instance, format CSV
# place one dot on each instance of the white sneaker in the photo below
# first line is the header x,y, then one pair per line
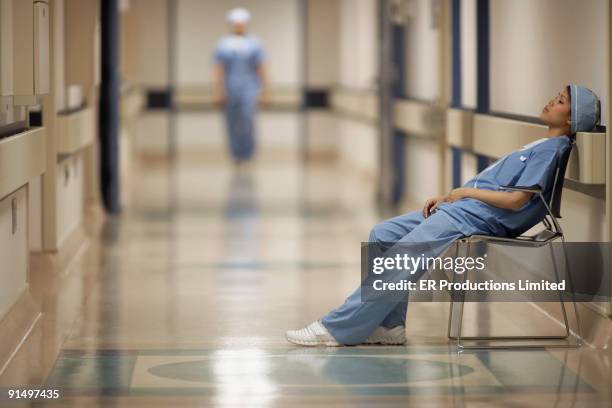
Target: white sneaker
x,y
393,336
315,334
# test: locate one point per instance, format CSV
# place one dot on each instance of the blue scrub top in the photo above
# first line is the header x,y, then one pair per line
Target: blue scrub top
x,y
240,55
534,165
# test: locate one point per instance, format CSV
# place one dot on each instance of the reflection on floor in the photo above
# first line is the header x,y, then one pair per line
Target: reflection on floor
x,y
186,297
237,374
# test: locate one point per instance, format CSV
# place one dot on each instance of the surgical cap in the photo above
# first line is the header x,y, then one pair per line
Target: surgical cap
x,y
586,109
238,16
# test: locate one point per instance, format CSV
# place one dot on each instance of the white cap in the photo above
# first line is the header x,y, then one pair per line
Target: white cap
x,y
238,16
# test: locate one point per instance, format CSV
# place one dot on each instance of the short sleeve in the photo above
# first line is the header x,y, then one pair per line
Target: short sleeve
x,y
260,53
540,170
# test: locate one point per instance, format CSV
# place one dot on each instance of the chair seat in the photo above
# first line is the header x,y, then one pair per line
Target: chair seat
x,y
536,240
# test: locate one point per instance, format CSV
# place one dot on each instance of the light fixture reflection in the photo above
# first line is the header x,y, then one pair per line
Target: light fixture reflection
x,y
243,375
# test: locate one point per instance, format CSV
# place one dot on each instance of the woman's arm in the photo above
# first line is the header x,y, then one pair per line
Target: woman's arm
x,y
264,96
508,200
219,84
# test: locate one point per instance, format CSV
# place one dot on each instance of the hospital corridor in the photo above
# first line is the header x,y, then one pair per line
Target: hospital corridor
x,y
296,203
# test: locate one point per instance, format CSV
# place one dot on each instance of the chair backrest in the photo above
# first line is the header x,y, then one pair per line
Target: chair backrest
x,y
557,191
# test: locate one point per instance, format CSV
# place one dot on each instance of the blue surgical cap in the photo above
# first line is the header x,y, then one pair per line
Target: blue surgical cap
x,y
238,16
585,109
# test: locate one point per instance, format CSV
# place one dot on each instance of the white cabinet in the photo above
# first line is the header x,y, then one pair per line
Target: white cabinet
x,y
75,131
69,196
41,48
30,50
13,248
6,47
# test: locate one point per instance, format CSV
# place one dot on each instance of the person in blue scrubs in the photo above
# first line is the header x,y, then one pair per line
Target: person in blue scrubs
x,y
481,206
241,83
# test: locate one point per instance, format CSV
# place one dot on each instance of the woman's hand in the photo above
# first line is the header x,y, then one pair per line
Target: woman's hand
x,y
263,98
457,194
432,204
219,98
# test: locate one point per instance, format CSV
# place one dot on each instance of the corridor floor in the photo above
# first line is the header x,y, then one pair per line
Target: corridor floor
x,y
184,301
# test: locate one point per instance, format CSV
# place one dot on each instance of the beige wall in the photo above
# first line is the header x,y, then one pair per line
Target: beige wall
x,y
58,49
423,167
468,53
422,56
559,41
322,33
358,69
358,148
147,47
322,43
358,43
201,23
422,83
81,33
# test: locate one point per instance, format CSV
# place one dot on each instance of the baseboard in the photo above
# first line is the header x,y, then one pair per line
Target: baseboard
x,y
596,328
321,156
16,325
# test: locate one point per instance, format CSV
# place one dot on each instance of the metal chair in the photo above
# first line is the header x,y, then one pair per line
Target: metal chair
x,y
552,231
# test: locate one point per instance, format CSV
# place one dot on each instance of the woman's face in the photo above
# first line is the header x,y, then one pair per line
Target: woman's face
x,y
239,28
557,113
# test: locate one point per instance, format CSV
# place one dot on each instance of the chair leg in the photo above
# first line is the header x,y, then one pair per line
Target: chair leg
x,y
452,302
561,299
460,339
568,273
457,337
459,342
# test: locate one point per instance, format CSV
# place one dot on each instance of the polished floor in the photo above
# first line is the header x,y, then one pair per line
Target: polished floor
x,y
185,298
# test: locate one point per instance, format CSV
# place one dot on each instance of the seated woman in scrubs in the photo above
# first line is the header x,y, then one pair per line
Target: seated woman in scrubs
x,y
481,207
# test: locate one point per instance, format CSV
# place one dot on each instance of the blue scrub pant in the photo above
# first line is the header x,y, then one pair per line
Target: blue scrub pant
x,y
240,119
354,321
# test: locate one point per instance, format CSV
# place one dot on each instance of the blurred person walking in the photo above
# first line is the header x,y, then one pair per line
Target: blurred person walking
x,y
240,83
